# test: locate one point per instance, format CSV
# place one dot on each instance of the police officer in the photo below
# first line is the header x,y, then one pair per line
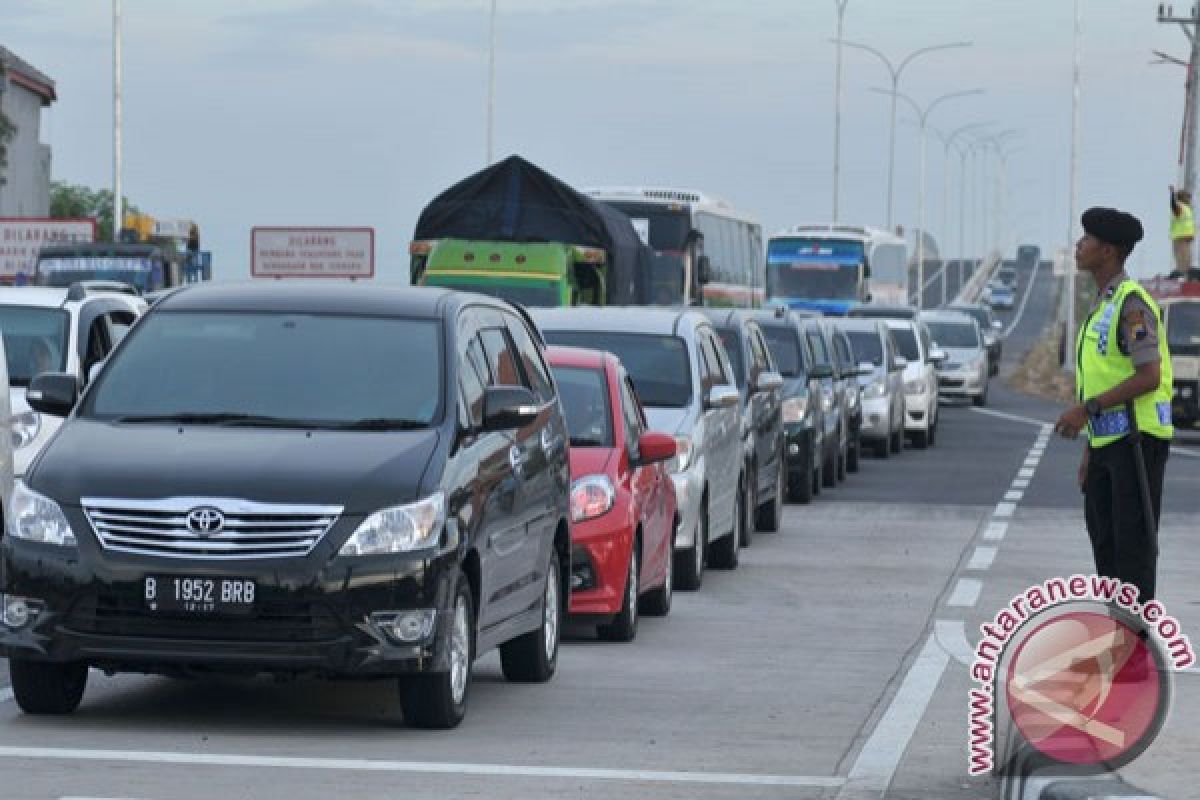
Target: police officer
x,y
1183,229
1123,388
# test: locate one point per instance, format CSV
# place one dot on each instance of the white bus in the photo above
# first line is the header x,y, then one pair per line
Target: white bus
x,y
706,252
829,268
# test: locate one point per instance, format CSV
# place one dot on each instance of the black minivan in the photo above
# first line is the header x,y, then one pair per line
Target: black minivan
x,y
295,480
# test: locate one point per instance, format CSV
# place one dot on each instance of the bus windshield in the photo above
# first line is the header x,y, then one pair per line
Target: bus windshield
x,y
814,268
665,229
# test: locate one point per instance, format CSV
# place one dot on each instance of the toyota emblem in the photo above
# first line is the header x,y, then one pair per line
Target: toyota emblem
x,y
205,521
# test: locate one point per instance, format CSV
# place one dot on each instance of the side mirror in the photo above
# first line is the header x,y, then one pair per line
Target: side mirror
x,y
768,382
901,362
937,357
508,407
722,396
654,448
821,371
53,393
865,369
704,270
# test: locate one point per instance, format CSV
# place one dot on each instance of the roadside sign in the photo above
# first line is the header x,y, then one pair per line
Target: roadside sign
x,y
312,253
22,237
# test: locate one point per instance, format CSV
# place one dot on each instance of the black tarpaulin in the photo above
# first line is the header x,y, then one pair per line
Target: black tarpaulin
x,y
516,201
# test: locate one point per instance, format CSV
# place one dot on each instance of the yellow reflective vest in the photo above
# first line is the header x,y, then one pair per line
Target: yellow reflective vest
x,y
1101,365
1183,225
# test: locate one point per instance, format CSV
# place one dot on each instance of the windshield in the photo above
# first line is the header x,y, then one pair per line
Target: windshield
x,y
544,295
35,341
906,343
733,346
292,368
664,228
584,397
1183,325
658,365
785,349
824,269
954,334
667,280
980,315
144,273
867,347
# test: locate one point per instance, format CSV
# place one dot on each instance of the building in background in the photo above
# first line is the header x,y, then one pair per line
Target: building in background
x,y
24,92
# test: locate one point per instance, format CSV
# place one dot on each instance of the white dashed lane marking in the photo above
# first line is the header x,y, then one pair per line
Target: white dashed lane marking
x,y
995,531
966,593
1014,496
982,558
1004,509
1021,483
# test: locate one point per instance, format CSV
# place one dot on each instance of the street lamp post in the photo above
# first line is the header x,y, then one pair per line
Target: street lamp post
x,y
837,109
895,72
491,98
923,118
949,142
118,210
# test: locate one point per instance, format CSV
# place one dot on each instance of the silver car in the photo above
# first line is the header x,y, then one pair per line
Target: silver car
x,y
882,384
965,372
684,379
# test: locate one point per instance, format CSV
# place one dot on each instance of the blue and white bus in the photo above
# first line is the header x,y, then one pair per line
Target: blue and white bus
x,y
831,268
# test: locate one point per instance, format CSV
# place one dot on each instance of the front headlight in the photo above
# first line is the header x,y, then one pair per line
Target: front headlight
x,y
36,518
25,427
399,529
915,387
794,409
591,496
683,454
874,390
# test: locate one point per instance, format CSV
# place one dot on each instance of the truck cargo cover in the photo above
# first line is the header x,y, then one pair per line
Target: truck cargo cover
x,y
516,201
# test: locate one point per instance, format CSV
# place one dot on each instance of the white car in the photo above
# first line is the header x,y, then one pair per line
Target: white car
x,y
57,330
920,379
965,372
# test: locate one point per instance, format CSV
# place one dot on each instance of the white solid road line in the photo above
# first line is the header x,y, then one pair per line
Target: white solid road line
x,y
1010,417
880,756
982,558
965,594
431,767
1016,320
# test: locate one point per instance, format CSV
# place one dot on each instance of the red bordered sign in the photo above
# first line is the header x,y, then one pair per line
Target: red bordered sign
x,y
286,252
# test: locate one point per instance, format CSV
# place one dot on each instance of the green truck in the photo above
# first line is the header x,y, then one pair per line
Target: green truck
x,y
514,231
529,273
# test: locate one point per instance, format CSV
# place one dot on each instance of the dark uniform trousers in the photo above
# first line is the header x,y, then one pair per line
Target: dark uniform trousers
x,y
1122,546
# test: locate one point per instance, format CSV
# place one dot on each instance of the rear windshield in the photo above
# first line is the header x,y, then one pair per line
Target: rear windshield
x,y
657,364
954,334
275,369
584,396
906,343
35,341
733,346
785,349
867,347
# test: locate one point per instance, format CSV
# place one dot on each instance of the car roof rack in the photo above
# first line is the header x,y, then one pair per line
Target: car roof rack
x,y
80,289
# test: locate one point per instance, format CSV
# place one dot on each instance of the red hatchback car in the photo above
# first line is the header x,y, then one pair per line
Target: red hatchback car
x,y
622,497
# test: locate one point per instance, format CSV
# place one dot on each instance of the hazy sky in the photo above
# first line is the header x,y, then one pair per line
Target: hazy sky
x,y
357,112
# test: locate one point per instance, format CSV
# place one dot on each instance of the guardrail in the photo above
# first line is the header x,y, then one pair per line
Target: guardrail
x,y
969,292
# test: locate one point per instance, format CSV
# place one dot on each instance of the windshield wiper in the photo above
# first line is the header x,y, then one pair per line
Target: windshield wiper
x,y
218,418
376,424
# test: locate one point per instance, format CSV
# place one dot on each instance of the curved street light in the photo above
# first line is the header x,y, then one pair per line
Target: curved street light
x,y
896,71
949,141
923,118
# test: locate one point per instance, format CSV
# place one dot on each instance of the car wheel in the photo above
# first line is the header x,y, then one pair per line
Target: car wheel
x,y
897,443
724,552
532,657
43,687
800,488
855,452
747,528
829,468
920,439
689,564
770,514
981,400
933,432
439,700
842,461
818,477
624,627
657,602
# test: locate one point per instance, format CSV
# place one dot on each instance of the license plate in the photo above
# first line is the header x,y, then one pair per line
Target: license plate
x,y
193,595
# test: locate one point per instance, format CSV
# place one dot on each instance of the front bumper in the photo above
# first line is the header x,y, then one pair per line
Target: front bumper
x,y
600,551
917,413
961,383
877,418
311,615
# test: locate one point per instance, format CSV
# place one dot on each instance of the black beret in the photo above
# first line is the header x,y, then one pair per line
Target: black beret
x,y
1113,226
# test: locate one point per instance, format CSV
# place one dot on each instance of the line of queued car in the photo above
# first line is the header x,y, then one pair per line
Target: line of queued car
x,y
493,475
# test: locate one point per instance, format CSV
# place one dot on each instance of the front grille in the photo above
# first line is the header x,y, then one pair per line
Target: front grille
x,y
950,383
125,614
247,529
